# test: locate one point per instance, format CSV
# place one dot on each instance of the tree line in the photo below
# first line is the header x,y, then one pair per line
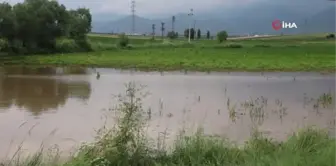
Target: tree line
x,y
195,34
173,34
43,26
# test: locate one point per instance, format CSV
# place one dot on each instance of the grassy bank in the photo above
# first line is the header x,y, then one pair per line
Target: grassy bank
x,y
201,59
306,148
128,145
277,54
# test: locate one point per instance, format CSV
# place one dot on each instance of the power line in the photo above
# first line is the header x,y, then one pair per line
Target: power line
x,y
190,14
133,15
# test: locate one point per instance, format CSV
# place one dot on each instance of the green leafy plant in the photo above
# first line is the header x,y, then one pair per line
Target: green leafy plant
x,y
222,36
123,41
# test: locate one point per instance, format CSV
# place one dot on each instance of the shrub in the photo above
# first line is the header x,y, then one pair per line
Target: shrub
x,y
17,47
102,46
66,45
3,44
167,42
152,39
262,45
221,36
172,35
234,46
330,36
129,46
123,41
83,44
292,46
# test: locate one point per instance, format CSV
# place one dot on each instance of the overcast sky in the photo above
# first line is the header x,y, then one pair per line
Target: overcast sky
x,y
150,7
159,8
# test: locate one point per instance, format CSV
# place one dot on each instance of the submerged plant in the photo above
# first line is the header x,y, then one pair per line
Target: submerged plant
x,y
127,142
326,99
256,110
233,113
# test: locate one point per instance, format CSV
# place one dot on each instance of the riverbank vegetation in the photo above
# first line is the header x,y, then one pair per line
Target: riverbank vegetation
x,y
128,145
43,26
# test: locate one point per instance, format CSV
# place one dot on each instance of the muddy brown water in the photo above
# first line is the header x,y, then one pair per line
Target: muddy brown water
x,y
65,106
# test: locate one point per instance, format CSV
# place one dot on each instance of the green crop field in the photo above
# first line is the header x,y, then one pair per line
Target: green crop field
x,y
285,53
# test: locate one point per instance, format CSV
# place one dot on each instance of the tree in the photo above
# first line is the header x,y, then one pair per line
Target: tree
x,y
162,29
208,34
198,34
153,30
34,26
330,36
81,23
192,33
173,23
221,36
186,31
7,22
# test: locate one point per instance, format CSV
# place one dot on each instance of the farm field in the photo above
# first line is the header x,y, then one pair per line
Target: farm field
x,y
286,53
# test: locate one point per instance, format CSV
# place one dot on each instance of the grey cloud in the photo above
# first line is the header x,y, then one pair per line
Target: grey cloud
x,y
149,7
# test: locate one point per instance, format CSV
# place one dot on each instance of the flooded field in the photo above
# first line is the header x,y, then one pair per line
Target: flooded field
x,y
65,106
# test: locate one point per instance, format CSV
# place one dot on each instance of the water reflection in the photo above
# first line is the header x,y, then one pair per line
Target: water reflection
x,y
40,94
25,70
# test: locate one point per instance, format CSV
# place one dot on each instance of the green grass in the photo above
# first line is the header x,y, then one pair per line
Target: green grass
x,y
267,54
127,145
305,148
309,58
113,40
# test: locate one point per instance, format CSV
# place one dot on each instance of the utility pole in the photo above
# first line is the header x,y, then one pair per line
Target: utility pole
x,y
190,14
195,32
133,15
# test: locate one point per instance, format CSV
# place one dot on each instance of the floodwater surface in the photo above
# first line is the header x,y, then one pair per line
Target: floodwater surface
x,y
64,106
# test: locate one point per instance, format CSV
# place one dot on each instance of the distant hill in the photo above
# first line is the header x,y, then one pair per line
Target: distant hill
x,y
323,21
253,19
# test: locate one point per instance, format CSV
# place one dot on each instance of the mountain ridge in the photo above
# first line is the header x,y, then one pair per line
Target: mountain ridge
x,y
255,19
